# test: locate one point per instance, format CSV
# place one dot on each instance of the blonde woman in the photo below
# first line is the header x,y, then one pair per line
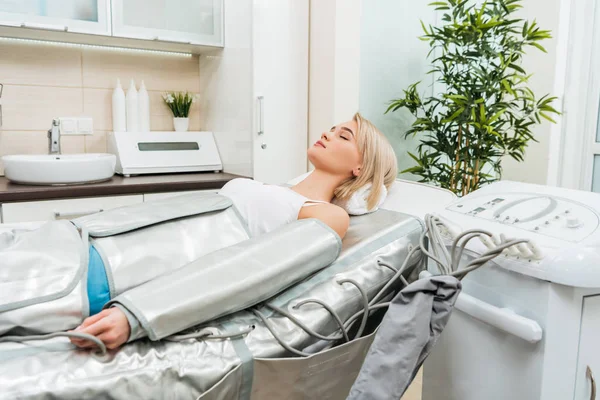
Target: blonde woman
x,y
346,158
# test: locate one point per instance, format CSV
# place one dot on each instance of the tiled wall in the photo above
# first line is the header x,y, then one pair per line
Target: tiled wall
x,y
42,82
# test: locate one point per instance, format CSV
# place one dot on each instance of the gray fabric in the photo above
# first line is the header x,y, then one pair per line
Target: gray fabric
x,y
408,332
138,256
247,360
325,375
135,216
218,283
146,369
42,275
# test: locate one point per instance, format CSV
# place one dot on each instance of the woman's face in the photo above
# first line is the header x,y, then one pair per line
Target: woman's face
x,y
337,151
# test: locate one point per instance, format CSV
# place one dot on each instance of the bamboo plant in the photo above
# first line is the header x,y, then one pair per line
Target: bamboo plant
x,y
483,109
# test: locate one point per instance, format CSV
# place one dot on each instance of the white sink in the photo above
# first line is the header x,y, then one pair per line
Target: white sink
x,y
59,169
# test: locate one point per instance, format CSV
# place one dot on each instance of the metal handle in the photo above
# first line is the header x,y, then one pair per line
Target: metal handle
x,y
260,115
58,214
590,376
63,28
171,40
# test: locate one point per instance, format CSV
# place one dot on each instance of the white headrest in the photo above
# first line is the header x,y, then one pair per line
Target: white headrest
x,y
357,204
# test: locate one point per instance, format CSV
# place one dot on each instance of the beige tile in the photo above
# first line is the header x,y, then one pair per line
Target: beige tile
x,y
159,72
161,117
97,103
96,143
15,142
34,64
33,107
72,144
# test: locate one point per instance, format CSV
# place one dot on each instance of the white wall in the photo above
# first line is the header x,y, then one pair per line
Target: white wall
x,y
226,90
537,157
334,63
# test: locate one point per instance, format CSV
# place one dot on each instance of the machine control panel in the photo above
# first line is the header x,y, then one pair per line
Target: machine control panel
x,y
547,215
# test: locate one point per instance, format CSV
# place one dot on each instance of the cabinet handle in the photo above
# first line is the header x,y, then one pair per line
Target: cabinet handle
x,y
45,27
58,214
261,129
171,40
590,376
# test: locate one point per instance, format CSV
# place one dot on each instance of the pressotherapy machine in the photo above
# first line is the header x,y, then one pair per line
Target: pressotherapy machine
x,y
216,314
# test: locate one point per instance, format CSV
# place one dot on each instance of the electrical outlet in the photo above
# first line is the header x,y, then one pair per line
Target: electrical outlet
x,y
76,126
68,126
85,126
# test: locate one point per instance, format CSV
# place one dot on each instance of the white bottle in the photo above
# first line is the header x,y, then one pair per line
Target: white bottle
x,y
118,108
144,109
132,108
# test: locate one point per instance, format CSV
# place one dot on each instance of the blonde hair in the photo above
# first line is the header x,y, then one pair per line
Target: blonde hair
x,y
379,165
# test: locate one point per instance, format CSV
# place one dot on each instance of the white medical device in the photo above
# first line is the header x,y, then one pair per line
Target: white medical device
x,y
164,152
562,226
526,325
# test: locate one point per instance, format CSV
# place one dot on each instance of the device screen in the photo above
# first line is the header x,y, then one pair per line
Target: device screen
x,y
167,146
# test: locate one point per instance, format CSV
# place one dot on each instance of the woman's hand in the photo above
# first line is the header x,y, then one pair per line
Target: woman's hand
x,y
110,326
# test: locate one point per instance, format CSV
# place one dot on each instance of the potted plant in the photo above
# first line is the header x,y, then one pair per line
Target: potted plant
x,y
180,104
484,110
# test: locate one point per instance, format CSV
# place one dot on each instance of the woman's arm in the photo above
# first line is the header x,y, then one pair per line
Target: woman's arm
x,y
333,216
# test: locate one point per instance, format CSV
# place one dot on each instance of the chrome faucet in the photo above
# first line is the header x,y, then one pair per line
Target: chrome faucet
x,y
54,138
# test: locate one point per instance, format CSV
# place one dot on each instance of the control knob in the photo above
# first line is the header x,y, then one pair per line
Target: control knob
x,y
573,222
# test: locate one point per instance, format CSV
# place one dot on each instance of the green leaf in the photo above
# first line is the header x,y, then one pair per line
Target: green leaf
x,y
411,155
424,28
455,115
516,68
538,46
496,116
546,116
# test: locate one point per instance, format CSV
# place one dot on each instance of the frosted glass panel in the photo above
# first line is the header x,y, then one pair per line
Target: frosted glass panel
x,y
596,176
194,16
79,10
392,57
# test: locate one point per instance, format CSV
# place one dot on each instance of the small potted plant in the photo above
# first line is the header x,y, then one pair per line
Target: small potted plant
x,y
180,104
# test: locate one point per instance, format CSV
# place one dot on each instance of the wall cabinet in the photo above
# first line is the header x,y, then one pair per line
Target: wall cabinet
x,y
589,349
255,92
51,210
179,21
173,25
80,16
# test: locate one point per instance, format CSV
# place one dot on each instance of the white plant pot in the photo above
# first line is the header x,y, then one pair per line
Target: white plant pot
x,y
181,124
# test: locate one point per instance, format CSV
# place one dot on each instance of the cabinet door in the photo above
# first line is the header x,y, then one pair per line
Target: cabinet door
x,y
589,349
281,88
181,21
81,16
49,210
